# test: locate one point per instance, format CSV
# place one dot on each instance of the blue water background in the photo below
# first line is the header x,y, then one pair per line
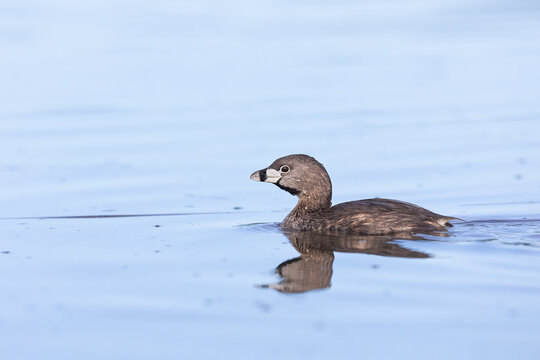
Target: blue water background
x,y
132,107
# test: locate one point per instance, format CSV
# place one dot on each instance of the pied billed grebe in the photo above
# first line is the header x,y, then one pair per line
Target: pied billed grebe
x,y
305,177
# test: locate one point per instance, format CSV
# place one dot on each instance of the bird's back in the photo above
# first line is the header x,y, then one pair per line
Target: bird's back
x,y
375,216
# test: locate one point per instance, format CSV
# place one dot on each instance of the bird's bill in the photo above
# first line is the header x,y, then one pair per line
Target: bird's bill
x,y
266,175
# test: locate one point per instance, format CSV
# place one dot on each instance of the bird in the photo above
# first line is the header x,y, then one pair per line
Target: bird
x,y
303,176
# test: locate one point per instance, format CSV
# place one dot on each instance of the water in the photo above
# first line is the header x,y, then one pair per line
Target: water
x,y
117,108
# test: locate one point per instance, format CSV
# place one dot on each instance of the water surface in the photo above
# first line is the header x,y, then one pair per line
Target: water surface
x,y
131,230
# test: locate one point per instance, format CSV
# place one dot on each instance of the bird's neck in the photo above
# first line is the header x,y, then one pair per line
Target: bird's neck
x,y
306,205
313,202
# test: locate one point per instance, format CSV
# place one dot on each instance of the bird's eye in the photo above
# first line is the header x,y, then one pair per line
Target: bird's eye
x,y
284,169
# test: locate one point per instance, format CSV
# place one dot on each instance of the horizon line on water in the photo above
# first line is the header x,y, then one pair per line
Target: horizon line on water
x,y
103,216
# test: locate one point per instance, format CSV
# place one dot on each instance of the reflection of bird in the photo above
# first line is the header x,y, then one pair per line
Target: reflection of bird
x,y
383,245
305,177
307,272
313,268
